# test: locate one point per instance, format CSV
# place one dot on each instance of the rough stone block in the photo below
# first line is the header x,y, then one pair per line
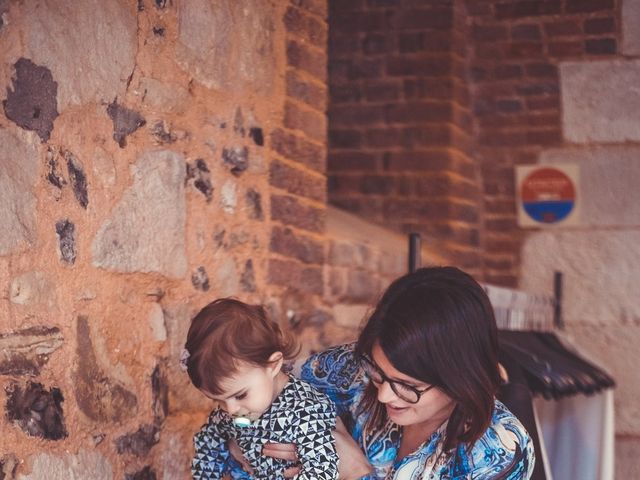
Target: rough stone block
x,y
616,348
84,75
228,45
609,179
598,101
627,458
84,464
25,352
99,396
146,230
601,273
18,175
631,28
36,411
31,104
163,97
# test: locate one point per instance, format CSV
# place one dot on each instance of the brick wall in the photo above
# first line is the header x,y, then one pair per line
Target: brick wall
x,y
297,171
399,120
516,47
433,103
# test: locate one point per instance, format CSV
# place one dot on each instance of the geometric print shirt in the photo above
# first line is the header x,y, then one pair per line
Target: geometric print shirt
x,y
300,415
504,451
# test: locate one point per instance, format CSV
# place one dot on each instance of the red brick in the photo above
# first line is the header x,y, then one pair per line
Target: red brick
x,y
501,224
490,51
503,139
541,70
428,88
546,88
525,49
343,183
297,181
375,184
366,207
348,93
419,65
489,33
376,43
309,92
585,6
364,21
311,122
420,112
296,245
525,31
547,138
313,61
381,91
601,46
563,28
527,8
433,160
347,6
356,115
421,19
427,135
298,149
290,211
307,27
343,43
500,205
566,49
543,103
352,161
508,105
506,71
364,68
292,274
595,26
345,139
384,137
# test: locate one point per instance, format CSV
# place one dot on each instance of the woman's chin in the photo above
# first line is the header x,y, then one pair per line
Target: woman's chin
x,y
397,414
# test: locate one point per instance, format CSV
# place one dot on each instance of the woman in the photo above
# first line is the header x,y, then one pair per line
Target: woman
x,y
417,390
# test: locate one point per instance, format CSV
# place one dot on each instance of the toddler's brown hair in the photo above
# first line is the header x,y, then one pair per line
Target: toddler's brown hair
x,y
228,331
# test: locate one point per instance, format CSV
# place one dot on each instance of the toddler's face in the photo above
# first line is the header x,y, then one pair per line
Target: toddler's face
x,y
249,392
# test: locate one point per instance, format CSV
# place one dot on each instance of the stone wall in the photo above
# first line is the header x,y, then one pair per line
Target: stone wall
x,y
154,155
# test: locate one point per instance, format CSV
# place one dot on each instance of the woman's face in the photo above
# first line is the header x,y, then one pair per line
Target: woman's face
x,y
432,408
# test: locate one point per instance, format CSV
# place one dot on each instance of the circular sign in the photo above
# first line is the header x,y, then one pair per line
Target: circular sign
x,y
548,195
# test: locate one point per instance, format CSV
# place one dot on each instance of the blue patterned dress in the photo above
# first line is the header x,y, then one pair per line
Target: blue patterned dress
x,y
504,451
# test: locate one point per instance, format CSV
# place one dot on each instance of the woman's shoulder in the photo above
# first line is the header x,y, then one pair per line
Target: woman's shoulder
x,y
336,364
505,450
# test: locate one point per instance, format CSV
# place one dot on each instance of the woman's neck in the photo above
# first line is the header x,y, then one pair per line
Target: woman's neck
x,y
413,436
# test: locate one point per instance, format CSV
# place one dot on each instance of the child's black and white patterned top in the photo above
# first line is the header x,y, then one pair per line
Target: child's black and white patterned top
x,y
300,415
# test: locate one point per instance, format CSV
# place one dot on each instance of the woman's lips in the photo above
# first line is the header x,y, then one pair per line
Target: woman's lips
x,y
395,410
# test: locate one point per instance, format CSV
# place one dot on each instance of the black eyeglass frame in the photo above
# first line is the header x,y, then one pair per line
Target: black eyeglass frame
x,y
365,360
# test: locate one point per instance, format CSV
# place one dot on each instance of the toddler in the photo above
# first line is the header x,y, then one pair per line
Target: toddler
x,y
234,355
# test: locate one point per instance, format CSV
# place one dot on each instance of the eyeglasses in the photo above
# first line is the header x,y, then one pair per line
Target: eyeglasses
x,y
402,390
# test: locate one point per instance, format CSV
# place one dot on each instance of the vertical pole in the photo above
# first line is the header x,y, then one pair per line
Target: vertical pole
x,y
557,295
414,252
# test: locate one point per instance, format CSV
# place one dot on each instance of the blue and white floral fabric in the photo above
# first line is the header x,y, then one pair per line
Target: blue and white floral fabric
x,y
504,452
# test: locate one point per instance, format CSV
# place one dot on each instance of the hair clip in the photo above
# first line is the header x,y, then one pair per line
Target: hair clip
x,y
184,359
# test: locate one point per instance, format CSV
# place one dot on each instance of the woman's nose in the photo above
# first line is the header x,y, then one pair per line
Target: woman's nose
x,y
385,393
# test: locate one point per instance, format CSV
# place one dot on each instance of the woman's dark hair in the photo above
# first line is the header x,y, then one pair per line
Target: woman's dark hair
x,y
228,331
437,326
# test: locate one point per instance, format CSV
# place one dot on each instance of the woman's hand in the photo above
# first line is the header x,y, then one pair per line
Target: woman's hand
x,y
351,466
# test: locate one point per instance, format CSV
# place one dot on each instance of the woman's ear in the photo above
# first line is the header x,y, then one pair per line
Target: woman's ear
x,y
275,363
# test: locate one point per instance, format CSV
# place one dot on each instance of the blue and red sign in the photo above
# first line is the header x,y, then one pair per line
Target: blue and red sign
x,y
548,195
